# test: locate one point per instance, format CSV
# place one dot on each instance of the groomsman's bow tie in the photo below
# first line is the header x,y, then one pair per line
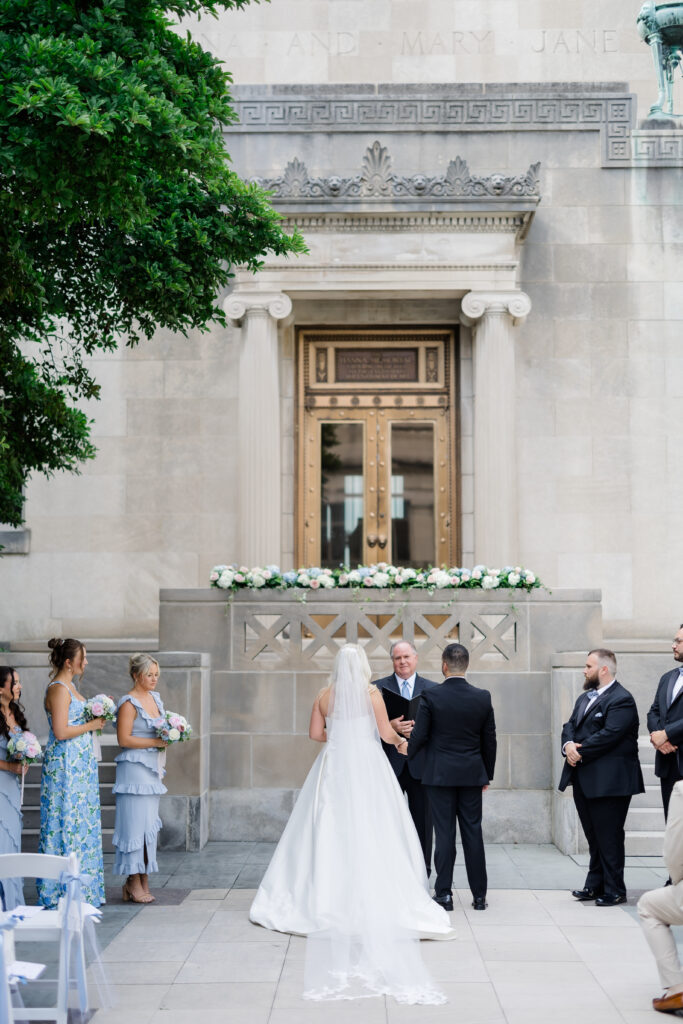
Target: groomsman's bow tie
x,y
592,693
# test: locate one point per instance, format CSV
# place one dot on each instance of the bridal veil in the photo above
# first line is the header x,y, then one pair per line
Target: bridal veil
x,y
364,945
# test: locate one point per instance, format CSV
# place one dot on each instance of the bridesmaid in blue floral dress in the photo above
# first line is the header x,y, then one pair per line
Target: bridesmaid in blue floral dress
x,y
138,780
12,722
70,818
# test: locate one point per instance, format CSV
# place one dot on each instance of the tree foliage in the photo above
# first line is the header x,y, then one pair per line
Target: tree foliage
x,y
119,211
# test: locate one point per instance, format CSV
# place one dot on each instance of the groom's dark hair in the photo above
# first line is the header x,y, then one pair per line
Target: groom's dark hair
x,y
457,658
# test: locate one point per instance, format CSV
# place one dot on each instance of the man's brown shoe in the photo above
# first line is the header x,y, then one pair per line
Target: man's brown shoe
x,y
668,1004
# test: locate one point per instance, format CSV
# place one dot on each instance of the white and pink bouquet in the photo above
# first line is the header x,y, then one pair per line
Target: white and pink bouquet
x,y
26,749
99,706
174,728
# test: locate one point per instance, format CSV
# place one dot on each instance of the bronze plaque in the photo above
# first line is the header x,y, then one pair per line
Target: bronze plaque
x,y
375,365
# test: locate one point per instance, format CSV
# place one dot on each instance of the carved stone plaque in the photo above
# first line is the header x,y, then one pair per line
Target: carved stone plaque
x,y
383,365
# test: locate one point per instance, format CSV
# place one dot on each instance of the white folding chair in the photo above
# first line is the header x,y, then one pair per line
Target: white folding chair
x,y
64,925
7,926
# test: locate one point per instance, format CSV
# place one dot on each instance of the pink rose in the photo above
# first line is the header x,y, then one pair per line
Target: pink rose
x,y
97,708
315,584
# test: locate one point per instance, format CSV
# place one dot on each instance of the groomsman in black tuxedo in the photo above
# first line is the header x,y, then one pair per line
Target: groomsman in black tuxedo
x,y
455,732
600,744
665,722
405,680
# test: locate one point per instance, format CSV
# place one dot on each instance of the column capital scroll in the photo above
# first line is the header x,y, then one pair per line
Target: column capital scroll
x,y
475,305
274,304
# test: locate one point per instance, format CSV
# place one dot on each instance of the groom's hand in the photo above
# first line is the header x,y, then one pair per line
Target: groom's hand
x,y
403,726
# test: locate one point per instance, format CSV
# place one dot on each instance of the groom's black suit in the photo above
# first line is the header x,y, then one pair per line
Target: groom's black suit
x,y
455,731
409,775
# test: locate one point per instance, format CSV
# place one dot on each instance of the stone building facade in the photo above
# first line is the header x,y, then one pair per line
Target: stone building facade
x,y
479,171
478,360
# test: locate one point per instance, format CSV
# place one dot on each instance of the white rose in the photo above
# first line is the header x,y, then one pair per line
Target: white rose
x,y
399,578
257,580
442,580
381,579
490,582
173,735
326,581
513,579
476,575
409,574
354,576
303,580
20,745
529,578
226,579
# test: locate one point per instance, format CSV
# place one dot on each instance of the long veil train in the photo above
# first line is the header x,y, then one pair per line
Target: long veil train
x,y
348,871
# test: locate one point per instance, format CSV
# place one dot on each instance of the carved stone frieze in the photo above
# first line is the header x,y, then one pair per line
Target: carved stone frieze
x,y
377,181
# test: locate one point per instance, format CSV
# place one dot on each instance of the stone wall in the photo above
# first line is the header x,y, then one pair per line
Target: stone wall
x,y
272,652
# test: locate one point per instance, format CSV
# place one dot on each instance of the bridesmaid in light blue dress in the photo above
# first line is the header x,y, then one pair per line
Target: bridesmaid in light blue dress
x,y
12,722
139,770
70,817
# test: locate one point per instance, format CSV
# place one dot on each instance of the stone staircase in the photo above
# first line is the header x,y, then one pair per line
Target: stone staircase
x,y
645,821
31,808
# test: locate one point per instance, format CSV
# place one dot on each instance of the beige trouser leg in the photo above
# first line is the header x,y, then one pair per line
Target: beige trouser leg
x,y
658,910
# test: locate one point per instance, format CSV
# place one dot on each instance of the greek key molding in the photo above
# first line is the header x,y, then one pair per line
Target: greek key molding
x,y
378,183
656,148
609,110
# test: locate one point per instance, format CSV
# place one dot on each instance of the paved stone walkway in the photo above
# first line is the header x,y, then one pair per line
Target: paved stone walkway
x,y
535,955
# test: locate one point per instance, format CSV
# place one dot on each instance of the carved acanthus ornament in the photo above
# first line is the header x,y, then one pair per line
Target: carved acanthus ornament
x,y
377,181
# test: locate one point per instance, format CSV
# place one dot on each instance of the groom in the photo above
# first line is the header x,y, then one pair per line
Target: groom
x,y
405,680
455,732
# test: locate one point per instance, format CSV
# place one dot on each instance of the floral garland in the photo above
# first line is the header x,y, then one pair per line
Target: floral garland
x,y
380,577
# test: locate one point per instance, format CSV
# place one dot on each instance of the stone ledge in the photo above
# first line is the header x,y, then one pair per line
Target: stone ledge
x,y
15,542
503,595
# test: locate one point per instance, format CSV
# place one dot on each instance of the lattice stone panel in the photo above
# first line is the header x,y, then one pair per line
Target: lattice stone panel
x,y
300,636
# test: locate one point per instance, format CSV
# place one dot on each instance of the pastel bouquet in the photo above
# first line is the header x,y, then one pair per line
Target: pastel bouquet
x,y
99,706
26,749
174,728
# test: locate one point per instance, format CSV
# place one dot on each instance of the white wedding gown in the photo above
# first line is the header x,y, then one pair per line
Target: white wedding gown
x,y
348,871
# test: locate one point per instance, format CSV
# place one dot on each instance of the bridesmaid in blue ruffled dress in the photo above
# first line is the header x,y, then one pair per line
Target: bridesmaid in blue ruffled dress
x,y
139,770
12,722
70,817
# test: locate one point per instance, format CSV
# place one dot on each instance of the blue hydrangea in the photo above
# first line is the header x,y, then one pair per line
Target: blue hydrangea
x,y
314,572
289,577
275,569
364,572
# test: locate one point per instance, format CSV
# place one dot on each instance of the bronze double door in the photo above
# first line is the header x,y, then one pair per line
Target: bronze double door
x,y
376,447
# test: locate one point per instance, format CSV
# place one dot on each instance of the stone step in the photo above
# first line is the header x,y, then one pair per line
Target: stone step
x,y
32,795
649,777
646,752
32,817
644,844
31,836
645,819
652,797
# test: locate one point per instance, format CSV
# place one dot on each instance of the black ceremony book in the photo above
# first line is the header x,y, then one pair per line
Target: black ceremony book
x,y
398,705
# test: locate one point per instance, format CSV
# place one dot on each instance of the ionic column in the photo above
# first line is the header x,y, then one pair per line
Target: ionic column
x,y
493,316
259,440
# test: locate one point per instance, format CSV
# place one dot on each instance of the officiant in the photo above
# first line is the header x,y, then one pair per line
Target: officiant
x,y
405,681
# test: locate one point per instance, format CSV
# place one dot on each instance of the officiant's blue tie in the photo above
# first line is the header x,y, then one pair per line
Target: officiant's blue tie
x,y
405,689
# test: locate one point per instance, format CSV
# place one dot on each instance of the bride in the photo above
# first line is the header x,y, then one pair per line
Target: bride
x,y
348,871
